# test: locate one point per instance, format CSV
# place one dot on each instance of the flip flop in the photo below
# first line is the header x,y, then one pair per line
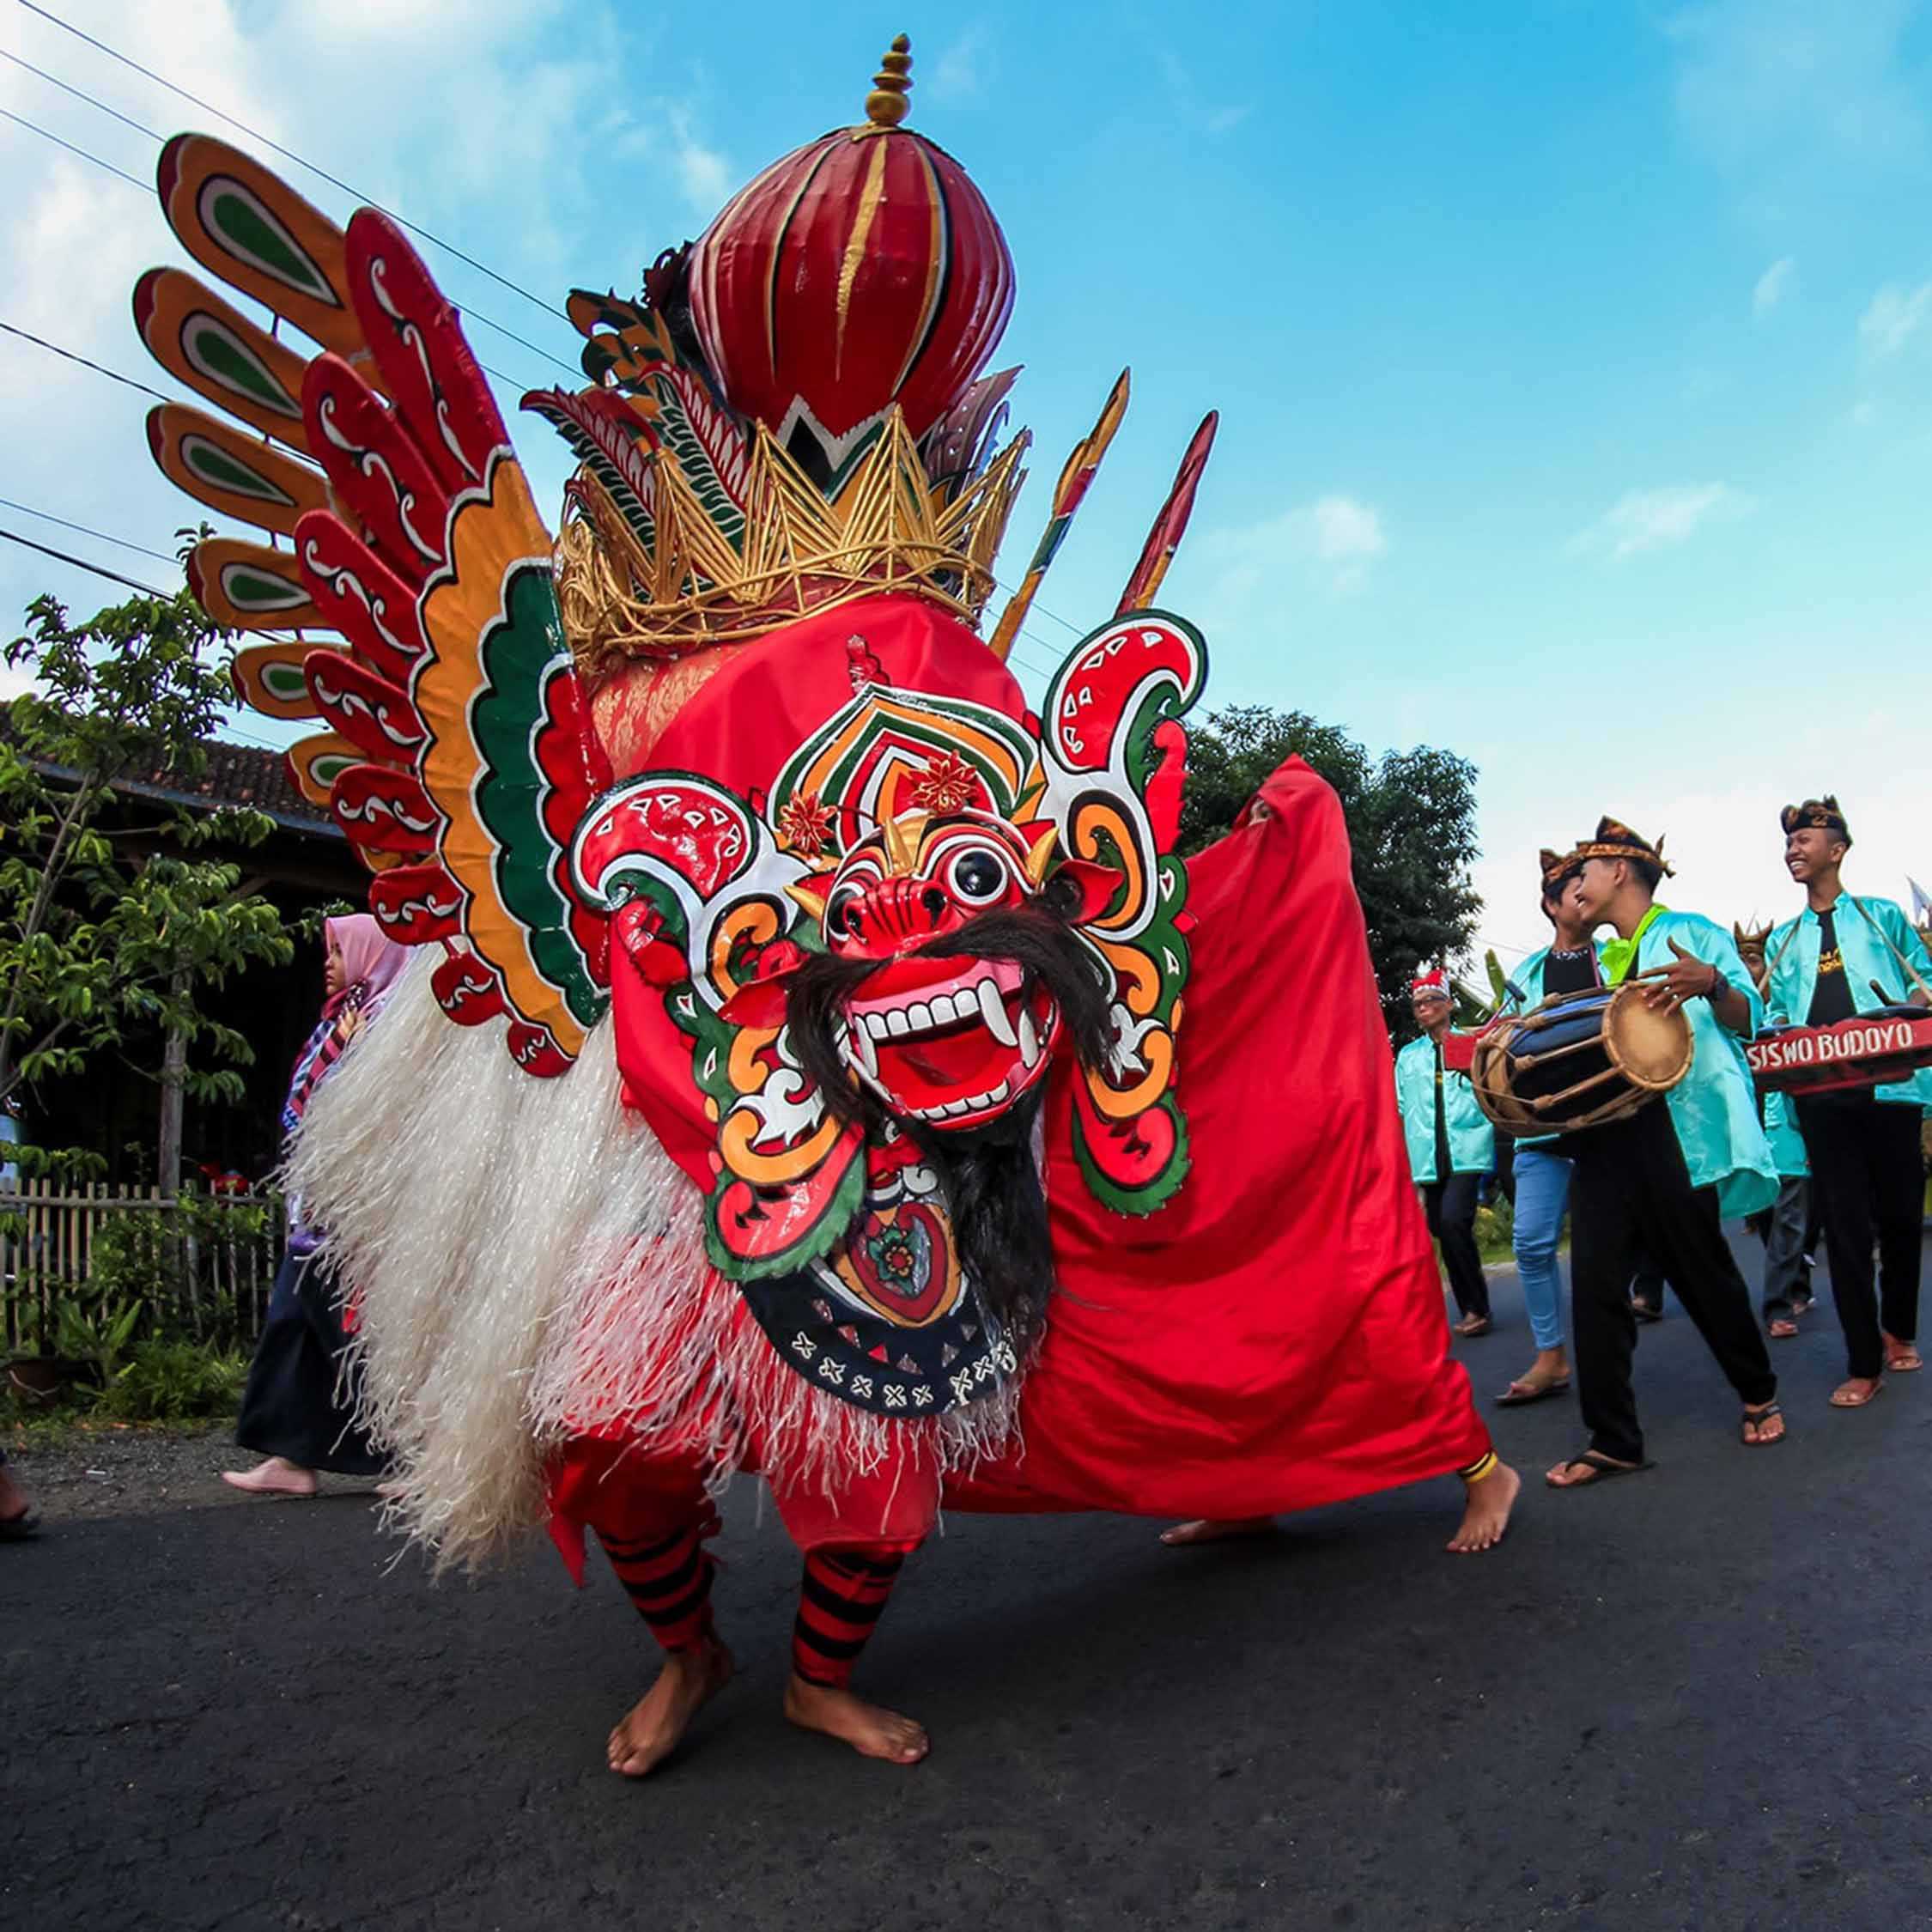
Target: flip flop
x,y
1782,1330
1606,1469
1758,1416
1469,1330
1903,1358
1510,1398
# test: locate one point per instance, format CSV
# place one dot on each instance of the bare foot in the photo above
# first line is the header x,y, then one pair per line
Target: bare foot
x,y
870,1729
278,1476
1487,1515
656,1724
1215,1529
1854,1392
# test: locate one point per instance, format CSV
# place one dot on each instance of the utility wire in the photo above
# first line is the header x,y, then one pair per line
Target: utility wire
x,y
82,563
469,314
54,79
32,127
288,154
71,356
83,529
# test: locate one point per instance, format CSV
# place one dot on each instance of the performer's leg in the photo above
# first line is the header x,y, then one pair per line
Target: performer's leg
x,y
1843,1189
1603,1330
1685,1232
1460,1253
653,1518
1784,1255
854,1543
1898,1168
1491,1488
1542,1189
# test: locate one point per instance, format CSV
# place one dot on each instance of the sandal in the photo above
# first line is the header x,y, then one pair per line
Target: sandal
x,y
1755,1418
1605,1468
1472,1326
1523,1391
1902,1358
1781,1329
1644,1312
1844,1396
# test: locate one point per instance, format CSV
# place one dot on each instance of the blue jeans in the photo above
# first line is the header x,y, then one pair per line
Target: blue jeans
x,y
1542,1190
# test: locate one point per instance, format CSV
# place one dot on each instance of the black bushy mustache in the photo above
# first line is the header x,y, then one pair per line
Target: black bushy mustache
x,y
1044,948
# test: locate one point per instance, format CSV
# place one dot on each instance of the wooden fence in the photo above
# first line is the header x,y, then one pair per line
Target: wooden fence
x,y
203,1267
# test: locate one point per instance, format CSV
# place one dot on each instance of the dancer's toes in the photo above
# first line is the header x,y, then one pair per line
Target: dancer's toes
x,y
276,1477
1487,1515
1215,1529
870,1729
655,1725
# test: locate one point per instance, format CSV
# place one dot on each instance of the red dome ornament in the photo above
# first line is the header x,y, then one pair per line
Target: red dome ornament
x,y
861,270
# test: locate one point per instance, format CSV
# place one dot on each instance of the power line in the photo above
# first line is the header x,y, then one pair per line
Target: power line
x,y
82,563
71,356
32,127
288,154
469,314
54,79
81,529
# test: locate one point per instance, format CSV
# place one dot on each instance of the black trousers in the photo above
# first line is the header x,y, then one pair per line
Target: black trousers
x,y
1869,1177
296,1404
1450,1206
1632,1191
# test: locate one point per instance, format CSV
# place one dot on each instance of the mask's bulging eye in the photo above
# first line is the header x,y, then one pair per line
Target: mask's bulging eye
x,y
977,876
838,913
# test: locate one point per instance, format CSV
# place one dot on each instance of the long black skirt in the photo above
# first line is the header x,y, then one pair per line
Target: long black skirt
x,y
300,1401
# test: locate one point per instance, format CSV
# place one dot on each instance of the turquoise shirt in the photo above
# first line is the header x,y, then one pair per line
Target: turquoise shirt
x,y
1472,1139
1787,1144
1714,1107
1791,954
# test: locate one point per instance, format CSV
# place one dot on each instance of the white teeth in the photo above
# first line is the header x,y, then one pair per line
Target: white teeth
x,y
1028,1040
941,1010
863,1051
993,1010
875,1025
897,1022
919,1017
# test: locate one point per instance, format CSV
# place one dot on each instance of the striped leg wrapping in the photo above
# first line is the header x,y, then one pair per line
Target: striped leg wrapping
x,y
839,1602
669,1580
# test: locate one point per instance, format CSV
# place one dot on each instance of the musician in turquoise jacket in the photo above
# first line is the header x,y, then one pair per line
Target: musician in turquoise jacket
x,y
1663,1179
1451,1147
1863,1142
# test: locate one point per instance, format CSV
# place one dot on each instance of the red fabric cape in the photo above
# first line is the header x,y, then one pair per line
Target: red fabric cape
x,y
1275,1337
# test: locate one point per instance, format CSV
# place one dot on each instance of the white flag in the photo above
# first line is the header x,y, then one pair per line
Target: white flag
x,y
1922,902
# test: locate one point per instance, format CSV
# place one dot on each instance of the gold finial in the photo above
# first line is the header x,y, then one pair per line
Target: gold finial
x,y
886,105
901,837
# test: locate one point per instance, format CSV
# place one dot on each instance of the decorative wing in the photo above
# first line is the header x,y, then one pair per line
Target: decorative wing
x,y
415,613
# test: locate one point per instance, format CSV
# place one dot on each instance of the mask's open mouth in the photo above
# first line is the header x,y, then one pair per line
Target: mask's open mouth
x,y
946,1041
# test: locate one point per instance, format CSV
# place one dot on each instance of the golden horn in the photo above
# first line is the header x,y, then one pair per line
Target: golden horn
x,y
804,896
900,837
1042,856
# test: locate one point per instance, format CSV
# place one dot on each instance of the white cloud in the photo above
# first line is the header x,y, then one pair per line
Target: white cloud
x,y
1894,317
1188,104
1772,285
1648,520
1346,533
959,75
1327,545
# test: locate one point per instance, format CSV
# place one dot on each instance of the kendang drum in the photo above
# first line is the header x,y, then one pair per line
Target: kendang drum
x,y
1579,1059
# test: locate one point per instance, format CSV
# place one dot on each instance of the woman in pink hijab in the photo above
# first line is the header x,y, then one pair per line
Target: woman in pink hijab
x,y
295,1411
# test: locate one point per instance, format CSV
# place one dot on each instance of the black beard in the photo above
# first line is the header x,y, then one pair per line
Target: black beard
x,y
992,1188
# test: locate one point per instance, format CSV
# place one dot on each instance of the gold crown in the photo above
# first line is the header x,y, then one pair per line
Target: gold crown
x,y
686,587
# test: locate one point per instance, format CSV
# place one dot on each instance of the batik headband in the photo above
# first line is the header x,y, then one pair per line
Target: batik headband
x,y
1821,813
1615,840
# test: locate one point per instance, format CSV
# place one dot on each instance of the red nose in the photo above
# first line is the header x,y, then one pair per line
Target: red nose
x,y
897,914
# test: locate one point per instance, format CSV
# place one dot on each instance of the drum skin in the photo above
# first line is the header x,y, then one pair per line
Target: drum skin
x,y
1578,1060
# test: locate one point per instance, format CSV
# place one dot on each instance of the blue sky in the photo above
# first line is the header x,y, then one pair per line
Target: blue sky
x,y
1575,360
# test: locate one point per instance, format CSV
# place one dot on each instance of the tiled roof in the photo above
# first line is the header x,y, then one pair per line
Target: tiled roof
x,y
244,775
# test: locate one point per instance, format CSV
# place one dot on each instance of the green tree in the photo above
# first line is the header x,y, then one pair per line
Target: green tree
x,y
1411,830
109,931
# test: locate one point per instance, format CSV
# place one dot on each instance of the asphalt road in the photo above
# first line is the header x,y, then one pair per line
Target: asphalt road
x,y
1696,1699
